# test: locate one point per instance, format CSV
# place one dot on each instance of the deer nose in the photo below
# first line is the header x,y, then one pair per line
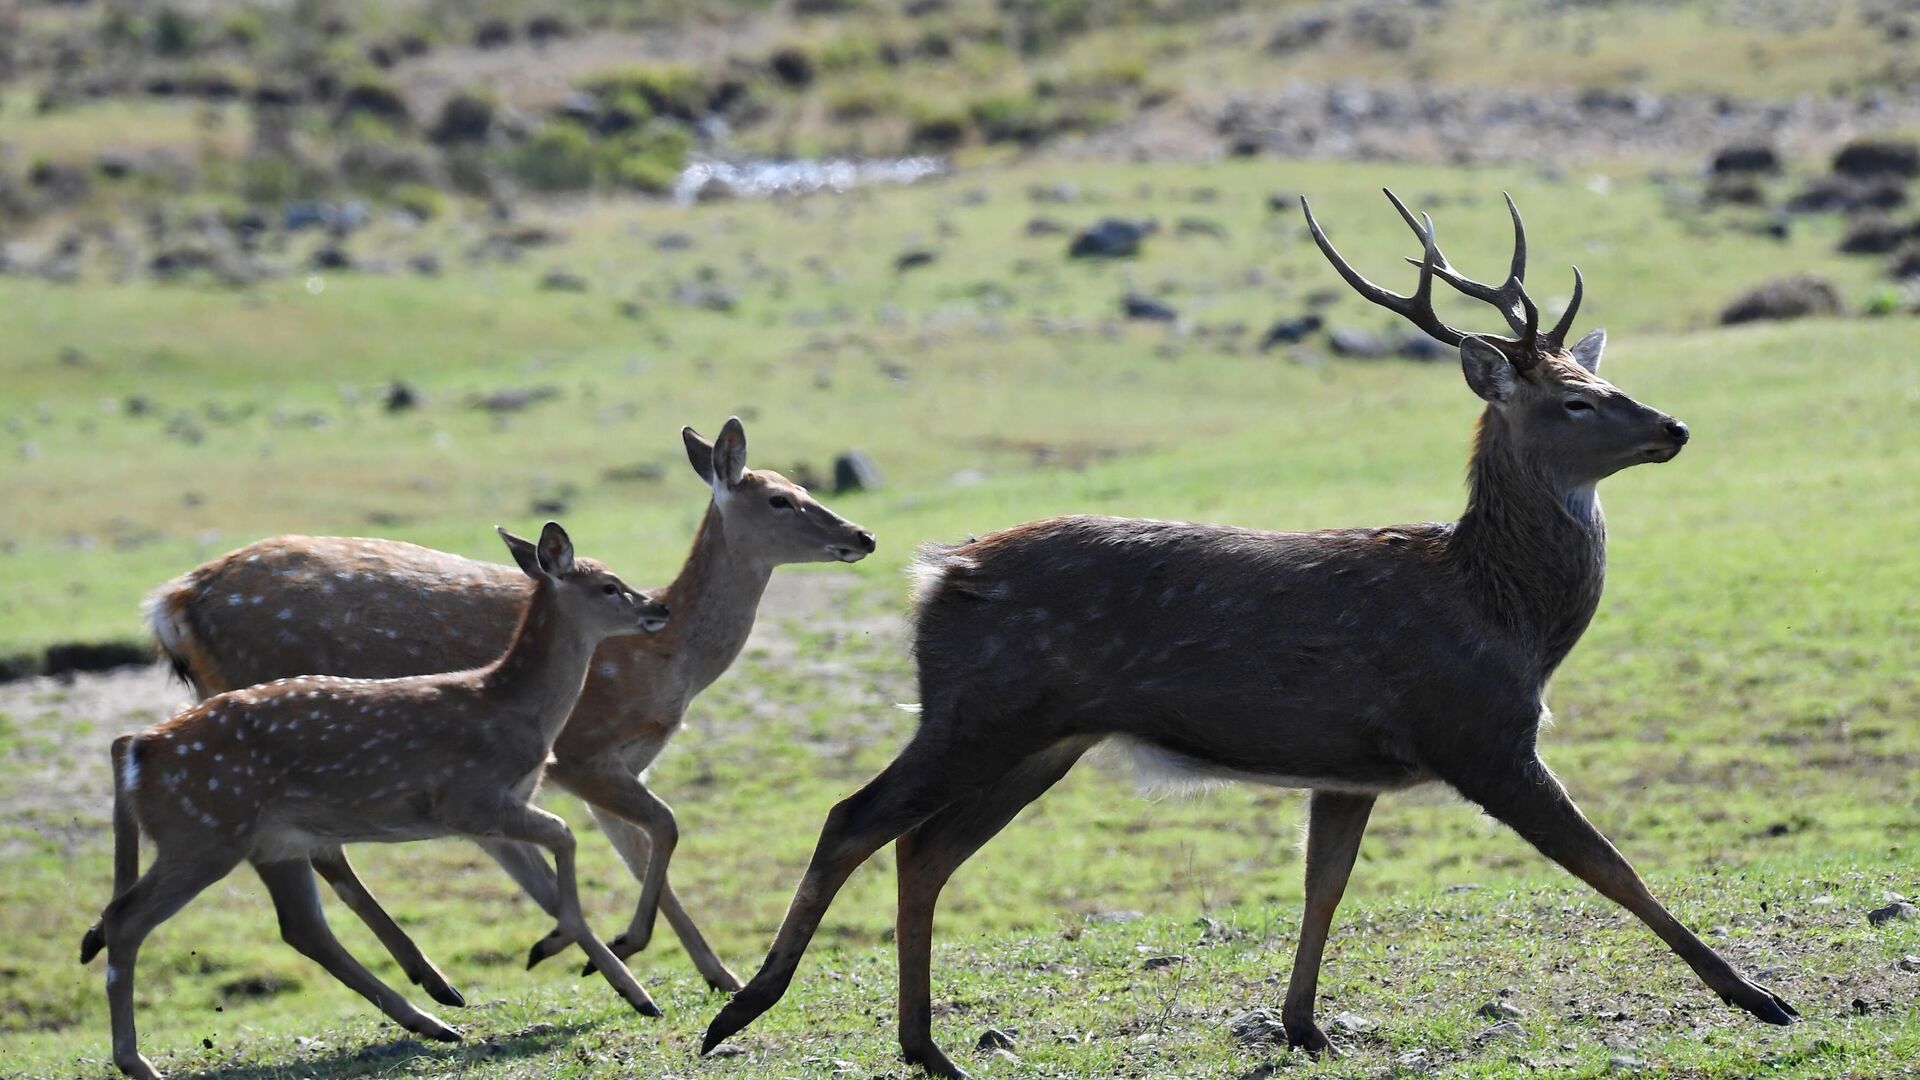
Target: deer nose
x,y
1677,431
865,540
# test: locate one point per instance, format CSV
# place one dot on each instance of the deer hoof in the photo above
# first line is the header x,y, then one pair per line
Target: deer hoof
x,y
137,1067
935,1061
724,981
553,943
744,1008
441,991
1762,1002
1309,1037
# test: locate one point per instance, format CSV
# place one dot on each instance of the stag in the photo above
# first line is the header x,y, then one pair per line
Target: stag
x,y
298,605
1350,662
273,774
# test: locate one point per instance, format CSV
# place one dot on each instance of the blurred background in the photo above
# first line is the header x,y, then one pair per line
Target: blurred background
x,y
411,269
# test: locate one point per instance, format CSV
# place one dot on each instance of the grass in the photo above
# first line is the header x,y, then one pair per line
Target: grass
x,y
1738,718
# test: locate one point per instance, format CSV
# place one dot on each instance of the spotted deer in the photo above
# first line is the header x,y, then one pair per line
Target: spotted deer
x,y
296,605
279,774
1350,662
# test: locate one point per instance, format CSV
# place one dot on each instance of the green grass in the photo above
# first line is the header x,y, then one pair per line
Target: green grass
x,y
1738,718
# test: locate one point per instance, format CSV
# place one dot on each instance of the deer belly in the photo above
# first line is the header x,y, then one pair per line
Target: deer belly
x,y
297,829
1159,768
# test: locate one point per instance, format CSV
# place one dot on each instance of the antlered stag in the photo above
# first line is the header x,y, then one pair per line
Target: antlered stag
x,y
1351,662
298,605
273,774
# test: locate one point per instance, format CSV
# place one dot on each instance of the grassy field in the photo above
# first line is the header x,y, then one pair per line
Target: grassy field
x,y
1738,719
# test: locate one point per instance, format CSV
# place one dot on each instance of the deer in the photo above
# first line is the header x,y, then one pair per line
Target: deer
x,y
298,605
1349,662
272,774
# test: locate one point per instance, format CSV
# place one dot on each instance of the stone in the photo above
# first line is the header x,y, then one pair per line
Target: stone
x,y
994,1039
1794,297
1899,909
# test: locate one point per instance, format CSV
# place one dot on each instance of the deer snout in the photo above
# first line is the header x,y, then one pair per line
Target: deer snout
x,y
862,545
1677,431
653,616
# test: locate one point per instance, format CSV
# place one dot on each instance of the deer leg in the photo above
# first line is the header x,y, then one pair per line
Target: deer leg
x,y
927,856
1335,821
160,893
636,849
533,825
296,900
346,884
1530,800
926,776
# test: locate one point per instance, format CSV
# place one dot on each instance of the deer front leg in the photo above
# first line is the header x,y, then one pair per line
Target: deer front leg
x,y
1529,799
636,850
1335,821
536,826
346,884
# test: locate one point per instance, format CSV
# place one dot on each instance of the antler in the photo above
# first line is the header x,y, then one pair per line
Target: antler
x,y
1525,349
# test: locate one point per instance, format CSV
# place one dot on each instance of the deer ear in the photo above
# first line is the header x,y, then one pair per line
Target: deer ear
x,y
699,453
1488,370
523,552
556,551
730,453
1586,351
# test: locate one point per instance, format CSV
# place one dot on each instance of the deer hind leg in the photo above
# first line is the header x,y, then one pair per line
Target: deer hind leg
x,y
1529,799
1335,821
346,884
161,892
533,825
930,773
296,900
928,854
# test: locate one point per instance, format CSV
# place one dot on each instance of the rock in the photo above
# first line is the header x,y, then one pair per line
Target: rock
x,y
1281,201
330,257
994,1039
855,470
1004,1056
542,29
1874,236
1793,297
1351,1023
1421,347
1413,1061
1358,344
1502,1031
708,295
493,33
1908,964
1063,192
515,398
401,397
1499,1010
465,118
1135,306
1905,265
672,241
1111,238
1291,331
1899,909
1299,33
561,280
426,265
792,67
727,1050
913,257
1829,194
1257,1027
1734,189
1121,915
1158,963
1625,1063
1045,226
1746,158
1878,157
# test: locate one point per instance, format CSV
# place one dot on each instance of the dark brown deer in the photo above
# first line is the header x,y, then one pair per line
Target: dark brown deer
x,y
299,605
1350,662
273,774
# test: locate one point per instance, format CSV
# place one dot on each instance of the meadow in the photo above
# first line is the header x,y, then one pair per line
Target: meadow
x,y
1738,719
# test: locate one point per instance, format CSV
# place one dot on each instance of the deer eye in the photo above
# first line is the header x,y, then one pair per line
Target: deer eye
x,y
780,502
609,589
1577,406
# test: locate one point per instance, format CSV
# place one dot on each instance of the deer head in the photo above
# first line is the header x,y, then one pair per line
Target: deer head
x,y
1545,400
769,517
587,594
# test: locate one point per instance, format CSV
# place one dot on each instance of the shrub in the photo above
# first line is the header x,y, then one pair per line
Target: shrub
x,y
937,127
421,200
669,90
649,159
559,157
243,29
1008,118
174,33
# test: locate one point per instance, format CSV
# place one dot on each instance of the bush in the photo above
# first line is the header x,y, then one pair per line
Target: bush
x,y
244,29
937,127
174,33
1008,118
674,90
559,157
420,200
650,159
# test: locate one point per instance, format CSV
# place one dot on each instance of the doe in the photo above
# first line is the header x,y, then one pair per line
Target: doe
x,y
1351,662
272,774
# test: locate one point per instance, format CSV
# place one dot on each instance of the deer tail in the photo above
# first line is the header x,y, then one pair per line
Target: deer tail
x,y
166,610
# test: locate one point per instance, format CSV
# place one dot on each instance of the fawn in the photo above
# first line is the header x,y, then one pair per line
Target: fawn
x,y
273,773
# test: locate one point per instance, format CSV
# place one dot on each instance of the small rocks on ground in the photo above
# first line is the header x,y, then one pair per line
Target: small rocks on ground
x,y
1500,1010
1746,158
1111,238
1505,1029
1899,909
1625,1063
1908,964
907,260
401,396
1291,331
994,1039
1156,963
727,1050
1257,1027
1136,306
560,280
1351,1023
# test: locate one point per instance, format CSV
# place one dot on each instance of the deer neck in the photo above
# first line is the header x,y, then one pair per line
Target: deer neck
x,y
713,602
543,668
1533,549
